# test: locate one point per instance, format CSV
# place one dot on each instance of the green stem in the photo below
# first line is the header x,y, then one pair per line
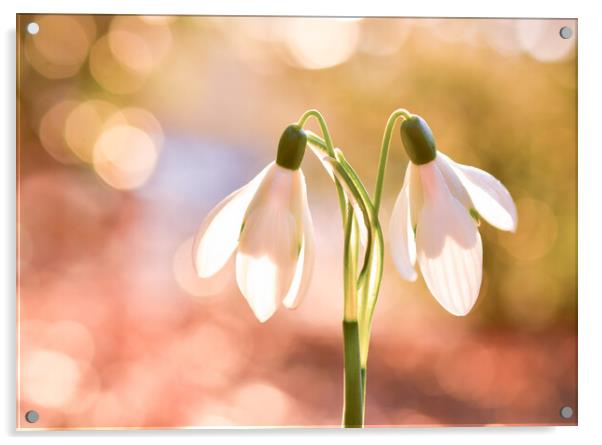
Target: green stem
x,y
322,122
384,154
329,147
364,292
363,377
353,412
370,276
353,405
370,284
350,266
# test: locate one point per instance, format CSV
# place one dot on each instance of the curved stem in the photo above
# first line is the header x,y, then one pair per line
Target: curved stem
x,y
371,217
322,122
371,275
371,272
384,154
345,174
370,285
353,405
364,292
329,148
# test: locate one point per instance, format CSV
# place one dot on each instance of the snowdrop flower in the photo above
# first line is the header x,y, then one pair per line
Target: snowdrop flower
x,y
434,219
263,234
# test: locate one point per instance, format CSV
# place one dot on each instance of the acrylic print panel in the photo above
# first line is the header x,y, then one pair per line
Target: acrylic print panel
x,y
147,301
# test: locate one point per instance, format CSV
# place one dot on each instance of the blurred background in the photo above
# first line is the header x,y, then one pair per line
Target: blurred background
x,y
130,129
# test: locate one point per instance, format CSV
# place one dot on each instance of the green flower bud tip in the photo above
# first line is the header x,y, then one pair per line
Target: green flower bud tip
x,y
291,147
418,140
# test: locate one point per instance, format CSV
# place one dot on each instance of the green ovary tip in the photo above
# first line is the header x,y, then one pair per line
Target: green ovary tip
x,y
418,140
291,147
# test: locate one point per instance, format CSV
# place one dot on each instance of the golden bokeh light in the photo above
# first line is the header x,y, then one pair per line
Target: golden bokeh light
x,y
110,74
131,50
321,43
139,118
139,43
83,126
125,156
52,131
61,46
501,35
382,37
157,19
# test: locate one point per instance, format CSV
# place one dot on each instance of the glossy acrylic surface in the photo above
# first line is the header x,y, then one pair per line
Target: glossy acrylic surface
x,y
131,129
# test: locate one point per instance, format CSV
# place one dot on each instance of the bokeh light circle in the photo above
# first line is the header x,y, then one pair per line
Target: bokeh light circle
x,y
51,131
541,40
124,156
319,43
110,74
140,118
61,45
138,43
84,124
50,378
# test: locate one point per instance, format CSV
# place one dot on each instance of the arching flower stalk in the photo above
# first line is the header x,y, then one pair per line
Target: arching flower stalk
x,y
263,234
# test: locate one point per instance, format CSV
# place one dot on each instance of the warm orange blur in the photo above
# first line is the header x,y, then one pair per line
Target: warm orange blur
x,y
132,128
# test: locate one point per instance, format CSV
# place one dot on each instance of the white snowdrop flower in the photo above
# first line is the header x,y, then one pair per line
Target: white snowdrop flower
x,y
432,221
263,234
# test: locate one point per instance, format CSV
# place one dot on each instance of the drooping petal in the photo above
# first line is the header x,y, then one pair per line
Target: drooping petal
x,y
455,186
449,247
401,233
217,236
488,195
270,241
305,261
415,193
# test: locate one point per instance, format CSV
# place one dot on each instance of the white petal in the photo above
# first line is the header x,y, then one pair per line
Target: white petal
x,y
401,233
305,261
415,193
457,189
449,248
217,236
488,195
270,241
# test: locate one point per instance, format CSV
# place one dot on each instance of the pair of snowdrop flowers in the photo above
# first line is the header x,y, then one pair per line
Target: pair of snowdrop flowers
x,y
263,233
